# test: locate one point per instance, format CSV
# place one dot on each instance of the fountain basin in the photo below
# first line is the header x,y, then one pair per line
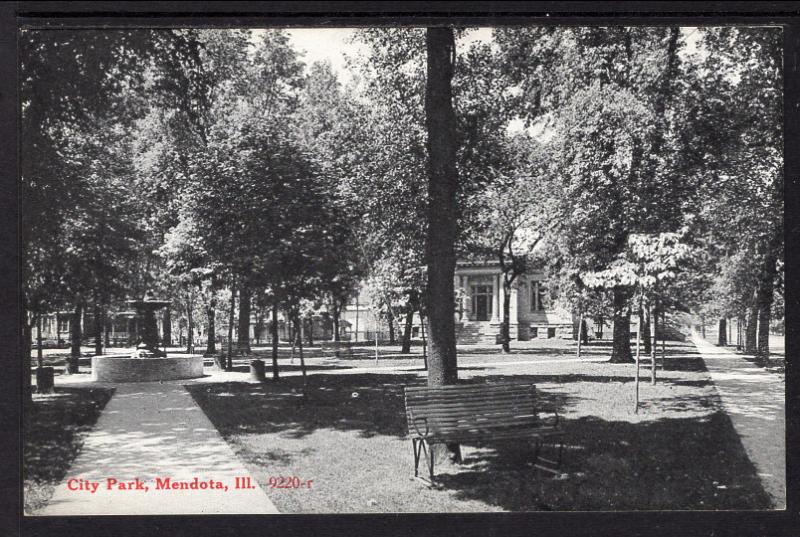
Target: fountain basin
x,y
123,368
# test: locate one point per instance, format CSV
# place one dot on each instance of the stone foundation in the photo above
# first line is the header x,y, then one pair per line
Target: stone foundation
x,y
126,369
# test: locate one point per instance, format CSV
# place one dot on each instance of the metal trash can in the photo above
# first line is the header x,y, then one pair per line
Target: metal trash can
x,y
257,370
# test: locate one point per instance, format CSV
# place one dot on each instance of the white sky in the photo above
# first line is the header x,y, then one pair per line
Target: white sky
x,y
319,44
333,44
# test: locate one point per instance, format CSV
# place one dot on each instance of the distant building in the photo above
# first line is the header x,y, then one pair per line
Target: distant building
x,y
480,300
479,309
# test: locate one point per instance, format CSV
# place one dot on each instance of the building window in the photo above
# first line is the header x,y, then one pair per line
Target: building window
x,y
481,300
537,296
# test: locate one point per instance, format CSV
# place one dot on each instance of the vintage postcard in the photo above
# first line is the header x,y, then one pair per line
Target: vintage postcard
x,y
402,269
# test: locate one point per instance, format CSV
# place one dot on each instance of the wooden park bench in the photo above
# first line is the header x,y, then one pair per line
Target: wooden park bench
x,y
334,350
476,414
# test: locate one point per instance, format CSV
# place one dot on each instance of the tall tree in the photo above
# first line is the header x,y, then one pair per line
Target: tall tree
x,y
605,96
442,209
744,191
514,219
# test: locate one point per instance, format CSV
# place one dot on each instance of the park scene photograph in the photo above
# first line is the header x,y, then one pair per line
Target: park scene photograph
x,y
402,269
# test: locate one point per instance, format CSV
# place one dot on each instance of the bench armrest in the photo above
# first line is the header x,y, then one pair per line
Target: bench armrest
x,y
414,421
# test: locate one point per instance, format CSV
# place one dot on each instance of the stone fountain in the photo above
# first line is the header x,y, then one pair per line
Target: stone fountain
x,y
146,308
147,363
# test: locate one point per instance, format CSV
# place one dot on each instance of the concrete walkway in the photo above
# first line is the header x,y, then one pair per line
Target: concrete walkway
x,y
755,401
149,431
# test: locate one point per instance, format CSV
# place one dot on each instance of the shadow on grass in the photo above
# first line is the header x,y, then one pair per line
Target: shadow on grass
x,y
290,367
369,403
52,436
676,463
694,463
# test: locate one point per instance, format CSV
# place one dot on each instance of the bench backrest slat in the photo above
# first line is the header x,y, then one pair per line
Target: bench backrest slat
x,y
462,408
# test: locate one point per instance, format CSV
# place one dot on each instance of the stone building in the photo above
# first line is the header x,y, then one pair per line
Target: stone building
x,y
479,309
480,301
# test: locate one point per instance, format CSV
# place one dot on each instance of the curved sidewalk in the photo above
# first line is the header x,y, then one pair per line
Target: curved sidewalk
x,y
149,431
755,401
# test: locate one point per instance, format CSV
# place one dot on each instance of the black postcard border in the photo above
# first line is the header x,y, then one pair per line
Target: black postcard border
x,y
331,14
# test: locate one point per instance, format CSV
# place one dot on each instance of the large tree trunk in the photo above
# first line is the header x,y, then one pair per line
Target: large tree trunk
x,y
621,346
406,348
274,330
336,312
98,328
442,185
310,324
76,335
722,333
505,331
392,340
764,297
243,341
166,327
299,331
211,345
740,323
750,331
646,331
584,331
440,122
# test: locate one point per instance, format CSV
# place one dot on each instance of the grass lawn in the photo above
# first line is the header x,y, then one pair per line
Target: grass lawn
x,y
53,434
349,437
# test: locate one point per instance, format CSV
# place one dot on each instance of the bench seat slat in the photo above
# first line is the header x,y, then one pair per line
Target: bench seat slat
x,y
454,396
516,407
474,406
484,421
467,407
486,397
484,394
470,416
489,436
467,387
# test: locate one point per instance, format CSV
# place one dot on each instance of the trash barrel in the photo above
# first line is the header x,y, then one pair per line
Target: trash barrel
x,y
257,370
44,379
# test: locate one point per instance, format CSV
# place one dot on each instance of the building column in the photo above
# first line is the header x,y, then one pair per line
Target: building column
x,y
513,319
465,300
495,299
497,313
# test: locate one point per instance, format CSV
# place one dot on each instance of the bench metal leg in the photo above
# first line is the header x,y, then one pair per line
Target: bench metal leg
x,y
539,444
417,445
421,447
431,463
536,449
